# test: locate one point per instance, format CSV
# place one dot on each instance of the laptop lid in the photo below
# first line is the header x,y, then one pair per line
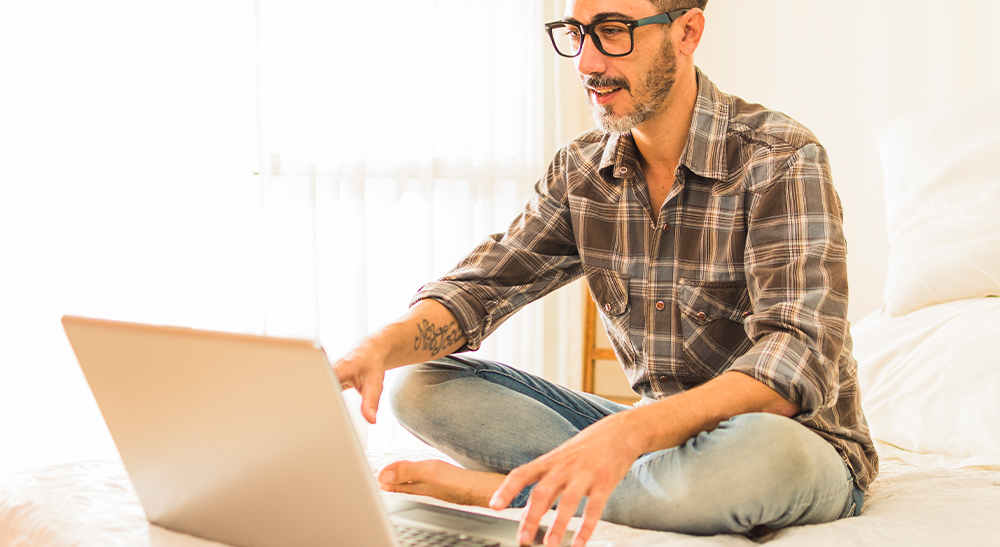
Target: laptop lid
x,y
236,438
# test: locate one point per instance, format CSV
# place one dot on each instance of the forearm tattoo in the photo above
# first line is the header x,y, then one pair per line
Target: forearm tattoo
x,y
434,339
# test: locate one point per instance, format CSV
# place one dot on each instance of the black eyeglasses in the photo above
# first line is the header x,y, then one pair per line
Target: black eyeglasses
x,y
613,37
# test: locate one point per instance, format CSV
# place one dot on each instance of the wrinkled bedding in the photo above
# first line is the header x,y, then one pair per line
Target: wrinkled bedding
x,y
91,504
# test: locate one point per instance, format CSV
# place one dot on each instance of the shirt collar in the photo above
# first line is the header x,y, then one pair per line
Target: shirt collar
x,y
705,151
620,159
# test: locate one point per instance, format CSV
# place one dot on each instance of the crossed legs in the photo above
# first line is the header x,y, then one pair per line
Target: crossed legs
x,y
753,470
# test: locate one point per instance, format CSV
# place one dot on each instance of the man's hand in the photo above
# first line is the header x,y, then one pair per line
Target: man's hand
x,y
590,464
364,370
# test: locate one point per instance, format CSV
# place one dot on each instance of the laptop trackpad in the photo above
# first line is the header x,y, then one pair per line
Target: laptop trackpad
x,y
460,522
467,520
457,521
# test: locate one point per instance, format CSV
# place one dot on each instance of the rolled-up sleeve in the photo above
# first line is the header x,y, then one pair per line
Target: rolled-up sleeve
x,y
797,278
535,256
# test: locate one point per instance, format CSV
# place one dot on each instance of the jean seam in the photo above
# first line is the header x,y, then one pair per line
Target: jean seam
x,y
844,512
521,499
535,390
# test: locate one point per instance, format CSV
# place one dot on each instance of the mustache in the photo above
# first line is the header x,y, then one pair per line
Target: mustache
x,y
606,81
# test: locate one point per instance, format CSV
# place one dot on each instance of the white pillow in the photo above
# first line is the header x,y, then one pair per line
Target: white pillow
x,y
930,381
942,187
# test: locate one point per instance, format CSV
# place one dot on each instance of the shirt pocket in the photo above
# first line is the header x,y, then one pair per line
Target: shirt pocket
x,y
712,317
610,292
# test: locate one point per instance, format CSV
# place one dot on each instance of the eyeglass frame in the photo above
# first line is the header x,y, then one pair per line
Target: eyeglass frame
x,y
632,24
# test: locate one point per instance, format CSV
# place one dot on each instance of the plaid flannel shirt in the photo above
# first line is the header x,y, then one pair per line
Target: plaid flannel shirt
x,y
744,269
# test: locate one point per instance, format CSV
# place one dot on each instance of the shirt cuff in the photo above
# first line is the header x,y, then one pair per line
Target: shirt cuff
x,y
786,365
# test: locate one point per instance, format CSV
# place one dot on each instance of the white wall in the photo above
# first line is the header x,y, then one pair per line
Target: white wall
x,y
842,68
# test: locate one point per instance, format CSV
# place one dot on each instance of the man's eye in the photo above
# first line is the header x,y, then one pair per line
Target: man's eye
x,y
573,33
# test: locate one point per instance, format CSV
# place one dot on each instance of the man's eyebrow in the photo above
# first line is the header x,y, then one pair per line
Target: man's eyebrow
x,y
603,16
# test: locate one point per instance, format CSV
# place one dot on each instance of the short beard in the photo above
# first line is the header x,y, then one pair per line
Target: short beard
x,y
658,83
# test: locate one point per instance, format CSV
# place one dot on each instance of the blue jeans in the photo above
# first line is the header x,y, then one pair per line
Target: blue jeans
x,y
754,470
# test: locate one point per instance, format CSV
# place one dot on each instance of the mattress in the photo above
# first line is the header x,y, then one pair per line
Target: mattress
x,y
912,503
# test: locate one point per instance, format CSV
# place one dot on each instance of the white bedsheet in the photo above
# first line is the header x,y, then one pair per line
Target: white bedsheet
x,y
91,504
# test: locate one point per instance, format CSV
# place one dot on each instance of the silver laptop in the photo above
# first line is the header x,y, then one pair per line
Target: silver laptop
x,y
246,440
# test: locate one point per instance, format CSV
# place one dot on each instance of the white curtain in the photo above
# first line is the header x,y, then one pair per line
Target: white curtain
x,y
394,137
127,152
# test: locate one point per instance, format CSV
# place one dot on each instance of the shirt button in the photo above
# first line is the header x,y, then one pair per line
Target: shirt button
x,y
666,227
607,307
701,315
747,314
660,305
664,379
623,170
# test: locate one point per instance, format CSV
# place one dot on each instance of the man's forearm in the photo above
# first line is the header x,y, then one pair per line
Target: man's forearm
x,y
427,331
676,419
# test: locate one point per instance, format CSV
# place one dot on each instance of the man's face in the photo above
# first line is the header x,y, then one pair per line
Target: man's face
x,y
624,92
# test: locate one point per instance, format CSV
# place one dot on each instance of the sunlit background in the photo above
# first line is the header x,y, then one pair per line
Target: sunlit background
x,y
301,167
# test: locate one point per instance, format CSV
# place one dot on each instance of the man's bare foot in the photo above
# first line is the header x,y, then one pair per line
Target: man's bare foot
x,y
440,480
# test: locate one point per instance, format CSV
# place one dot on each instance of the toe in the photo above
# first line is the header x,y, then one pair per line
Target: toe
x,y
389,476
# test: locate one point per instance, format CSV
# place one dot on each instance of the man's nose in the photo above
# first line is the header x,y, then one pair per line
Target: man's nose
x,y
590,60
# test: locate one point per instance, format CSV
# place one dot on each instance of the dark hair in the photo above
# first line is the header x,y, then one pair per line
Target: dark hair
x,y
670,5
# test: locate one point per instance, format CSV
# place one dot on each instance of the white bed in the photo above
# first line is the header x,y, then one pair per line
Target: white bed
x,y
92,504
929,365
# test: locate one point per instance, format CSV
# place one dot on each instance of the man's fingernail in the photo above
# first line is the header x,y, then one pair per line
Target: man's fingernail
x,y
525,538
388,476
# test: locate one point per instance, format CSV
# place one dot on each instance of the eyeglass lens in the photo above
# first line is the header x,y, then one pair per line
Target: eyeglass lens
x,y
614,38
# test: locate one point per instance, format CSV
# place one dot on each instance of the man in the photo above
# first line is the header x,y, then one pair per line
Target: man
x,y
710,236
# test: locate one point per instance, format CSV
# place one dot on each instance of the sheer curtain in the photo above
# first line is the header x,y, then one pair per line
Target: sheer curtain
x,y
394,137
127,149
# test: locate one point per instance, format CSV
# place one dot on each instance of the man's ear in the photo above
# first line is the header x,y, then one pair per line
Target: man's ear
x,y
691,25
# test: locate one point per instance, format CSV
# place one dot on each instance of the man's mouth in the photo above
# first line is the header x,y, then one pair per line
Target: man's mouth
x,y
604,90
601,90
603,96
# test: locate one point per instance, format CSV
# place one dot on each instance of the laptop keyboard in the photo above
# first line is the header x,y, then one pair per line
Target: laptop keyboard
x,y
410,536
